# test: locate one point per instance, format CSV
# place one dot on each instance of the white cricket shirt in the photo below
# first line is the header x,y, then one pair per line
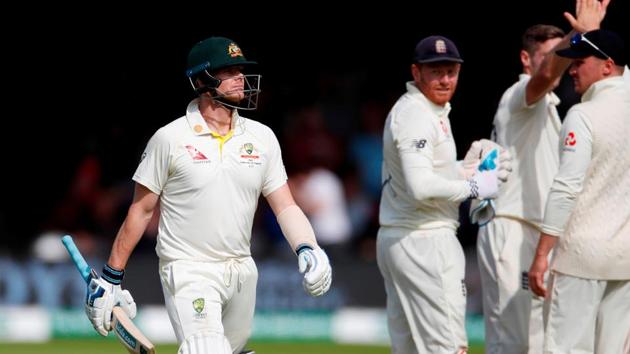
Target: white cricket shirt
x,y
589,202
531,134
421,189
209,185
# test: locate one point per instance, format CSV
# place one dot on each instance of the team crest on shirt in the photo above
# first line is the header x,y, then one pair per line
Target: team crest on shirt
x,y
569,142
199,305
249,155
444,127
196,155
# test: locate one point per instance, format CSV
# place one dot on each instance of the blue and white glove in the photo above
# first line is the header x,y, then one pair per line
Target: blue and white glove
x,y
103,293
315,266
484,184
482,211
479,148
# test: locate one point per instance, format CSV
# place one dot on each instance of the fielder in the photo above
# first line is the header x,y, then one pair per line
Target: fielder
x,y
207,169
420,258
528,125
587,213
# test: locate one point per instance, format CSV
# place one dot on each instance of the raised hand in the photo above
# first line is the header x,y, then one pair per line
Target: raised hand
x,y
590,14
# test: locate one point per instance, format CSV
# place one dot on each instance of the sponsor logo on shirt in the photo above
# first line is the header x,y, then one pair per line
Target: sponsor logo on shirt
x,y
196,155
524,281
418,143
249,155
569,142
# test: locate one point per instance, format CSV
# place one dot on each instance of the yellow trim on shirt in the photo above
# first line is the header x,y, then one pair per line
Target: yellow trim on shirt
x,y
222,139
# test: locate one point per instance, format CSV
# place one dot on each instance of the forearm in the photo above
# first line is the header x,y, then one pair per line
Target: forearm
x,y
128,236
296,228
546,243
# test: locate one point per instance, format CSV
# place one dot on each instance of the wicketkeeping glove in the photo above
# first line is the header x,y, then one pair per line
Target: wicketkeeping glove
x,y
481,148
314,264
484,184
103,293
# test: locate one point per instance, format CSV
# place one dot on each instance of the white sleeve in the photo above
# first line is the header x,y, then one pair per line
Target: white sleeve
x,y
275,175
415,146
518,100
575,157
153,170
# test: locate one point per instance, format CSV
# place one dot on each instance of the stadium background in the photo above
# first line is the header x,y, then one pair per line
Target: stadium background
x,y
87,92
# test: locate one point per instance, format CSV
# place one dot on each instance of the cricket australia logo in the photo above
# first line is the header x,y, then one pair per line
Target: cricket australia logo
x,y
198,305
249,155
234,50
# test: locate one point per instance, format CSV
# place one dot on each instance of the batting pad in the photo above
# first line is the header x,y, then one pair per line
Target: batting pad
x,y
205,342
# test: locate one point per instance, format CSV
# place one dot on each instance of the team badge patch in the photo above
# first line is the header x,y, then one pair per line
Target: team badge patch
x,y
249,155
234,50
440,46
198,305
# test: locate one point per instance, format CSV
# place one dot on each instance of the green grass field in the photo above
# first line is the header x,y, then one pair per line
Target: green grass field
x,y
99,346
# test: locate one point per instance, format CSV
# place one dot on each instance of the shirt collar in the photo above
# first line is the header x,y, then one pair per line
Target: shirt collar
x,y
199,125
601,86
440,111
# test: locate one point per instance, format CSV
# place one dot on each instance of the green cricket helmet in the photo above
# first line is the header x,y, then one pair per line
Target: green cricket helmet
x,y
216,53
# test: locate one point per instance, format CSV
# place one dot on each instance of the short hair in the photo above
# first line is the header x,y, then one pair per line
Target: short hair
x,y
537,34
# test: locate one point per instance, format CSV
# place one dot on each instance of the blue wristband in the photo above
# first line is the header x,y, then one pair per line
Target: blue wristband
x,y
112,275
302,247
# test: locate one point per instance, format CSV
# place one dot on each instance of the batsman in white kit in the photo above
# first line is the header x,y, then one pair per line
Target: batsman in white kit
x,y
418,254
207,169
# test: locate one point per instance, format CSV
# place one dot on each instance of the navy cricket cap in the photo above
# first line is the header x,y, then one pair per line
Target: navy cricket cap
x,y
436,48
600,43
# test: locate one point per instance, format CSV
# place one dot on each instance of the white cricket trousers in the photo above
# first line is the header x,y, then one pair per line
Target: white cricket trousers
x,y
426,294
513,315
587,316
212,299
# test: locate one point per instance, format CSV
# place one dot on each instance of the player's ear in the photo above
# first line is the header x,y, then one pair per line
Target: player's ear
x,y
415,72
525,59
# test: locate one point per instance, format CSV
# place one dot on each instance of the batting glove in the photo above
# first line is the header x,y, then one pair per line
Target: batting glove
x,y
103,293
315,266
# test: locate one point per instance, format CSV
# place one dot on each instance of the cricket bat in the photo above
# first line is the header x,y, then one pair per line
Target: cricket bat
x,y
128,334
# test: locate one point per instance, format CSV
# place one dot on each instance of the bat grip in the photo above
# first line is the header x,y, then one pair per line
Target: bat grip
x,y
77,258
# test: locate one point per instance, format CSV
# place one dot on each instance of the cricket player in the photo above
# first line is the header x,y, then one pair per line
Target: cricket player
x,y
418,254
528,125
587,217
207,169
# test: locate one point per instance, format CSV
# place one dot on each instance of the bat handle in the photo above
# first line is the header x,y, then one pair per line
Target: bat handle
x,y
77,258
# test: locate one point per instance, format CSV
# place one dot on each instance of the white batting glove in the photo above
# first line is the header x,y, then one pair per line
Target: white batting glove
x,y
102,296
484,184
315,266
